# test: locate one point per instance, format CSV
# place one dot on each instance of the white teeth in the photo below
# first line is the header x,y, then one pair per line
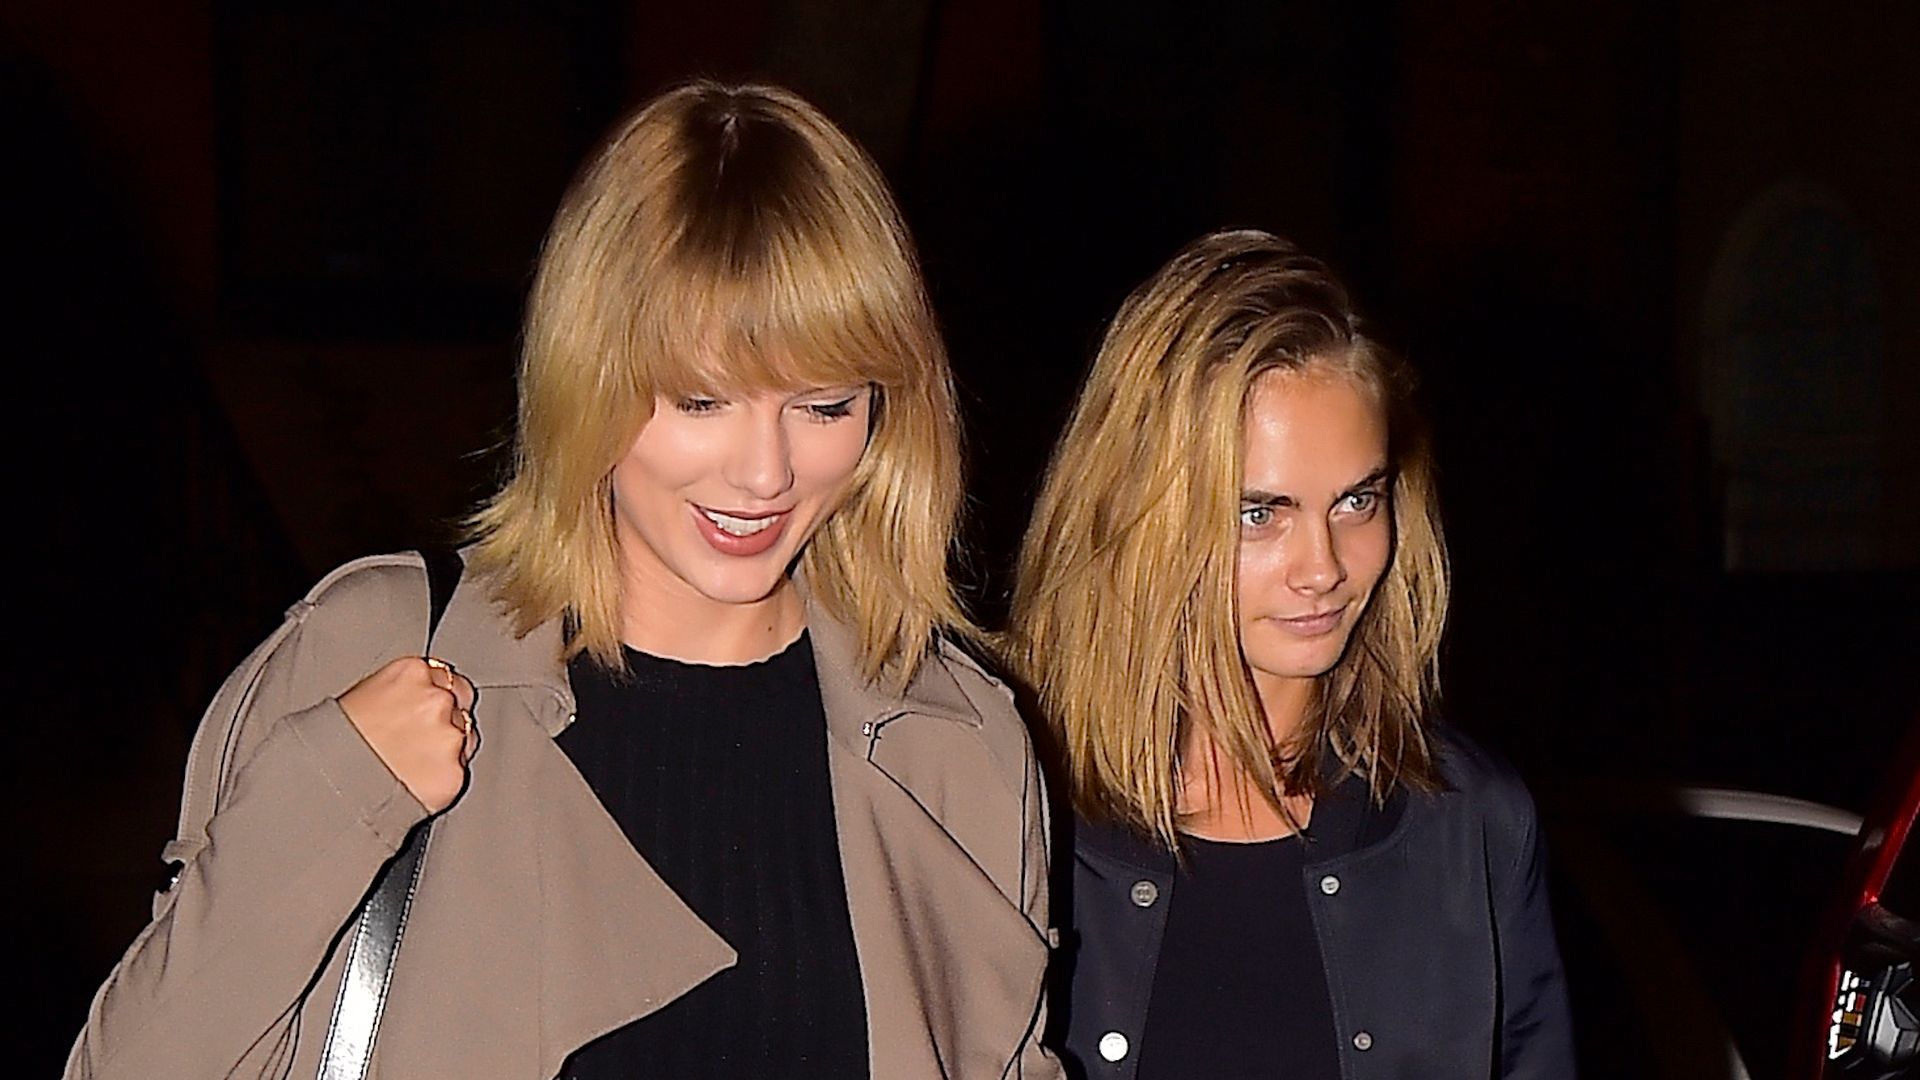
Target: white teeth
x,y
734,526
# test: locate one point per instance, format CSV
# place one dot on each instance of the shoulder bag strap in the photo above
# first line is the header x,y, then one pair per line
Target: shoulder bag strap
x,y
383,914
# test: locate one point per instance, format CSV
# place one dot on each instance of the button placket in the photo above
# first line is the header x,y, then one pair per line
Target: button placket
x,y
1330,886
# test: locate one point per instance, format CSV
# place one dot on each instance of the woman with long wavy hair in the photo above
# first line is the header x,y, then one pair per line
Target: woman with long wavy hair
x,y
1229,606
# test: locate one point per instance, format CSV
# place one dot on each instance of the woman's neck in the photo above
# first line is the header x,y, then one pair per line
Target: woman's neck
x,y
670,619
1285,701
1219,800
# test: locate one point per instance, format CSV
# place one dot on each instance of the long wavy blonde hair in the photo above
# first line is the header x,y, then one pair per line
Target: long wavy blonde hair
x,y
729,239
1124,616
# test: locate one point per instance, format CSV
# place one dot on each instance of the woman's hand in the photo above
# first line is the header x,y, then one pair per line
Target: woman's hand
x,y
416,713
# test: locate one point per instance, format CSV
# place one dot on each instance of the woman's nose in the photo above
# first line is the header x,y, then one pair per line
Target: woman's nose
x,y
760,461
1315,566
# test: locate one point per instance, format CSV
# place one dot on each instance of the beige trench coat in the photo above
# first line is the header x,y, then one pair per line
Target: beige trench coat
x,y
537,927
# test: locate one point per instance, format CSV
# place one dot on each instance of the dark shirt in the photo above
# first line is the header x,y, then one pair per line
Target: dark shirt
x,y
718,775
1239,991
1430,912
1217,970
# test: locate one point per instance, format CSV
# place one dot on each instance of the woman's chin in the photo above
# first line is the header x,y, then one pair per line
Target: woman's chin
x,y
1292,659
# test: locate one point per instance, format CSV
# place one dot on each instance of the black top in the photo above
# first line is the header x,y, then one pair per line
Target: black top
x,y
1220,972
719,777
1430,912
1239,991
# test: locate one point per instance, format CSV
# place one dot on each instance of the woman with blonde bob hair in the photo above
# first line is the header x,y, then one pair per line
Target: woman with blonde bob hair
x,y
1229,605
741,808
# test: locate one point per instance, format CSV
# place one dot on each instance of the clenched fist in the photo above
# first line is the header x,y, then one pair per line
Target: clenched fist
x,y
417,715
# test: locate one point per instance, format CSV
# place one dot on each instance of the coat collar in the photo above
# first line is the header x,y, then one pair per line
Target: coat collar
x,y
856,709
474,635
1345,819
950,963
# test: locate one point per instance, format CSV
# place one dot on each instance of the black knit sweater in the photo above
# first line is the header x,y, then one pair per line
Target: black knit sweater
x,y
719,777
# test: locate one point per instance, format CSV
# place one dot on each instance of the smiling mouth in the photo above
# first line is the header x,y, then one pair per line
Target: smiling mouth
x,y
736,525
1313,625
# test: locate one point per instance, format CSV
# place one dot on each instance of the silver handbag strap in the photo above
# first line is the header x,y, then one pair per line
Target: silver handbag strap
x,y
376,943
383,914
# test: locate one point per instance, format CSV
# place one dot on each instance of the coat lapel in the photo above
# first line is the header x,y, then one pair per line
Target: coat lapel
x,y
549,889
951,966
542,891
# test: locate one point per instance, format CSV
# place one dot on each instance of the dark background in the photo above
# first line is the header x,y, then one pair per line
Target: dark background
x,y
1657,262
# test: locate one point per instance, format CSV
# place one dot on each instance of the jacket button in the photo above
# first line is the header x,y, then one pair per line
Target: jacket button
x,y
1144,893
1329,885
1113,1046
1362,1041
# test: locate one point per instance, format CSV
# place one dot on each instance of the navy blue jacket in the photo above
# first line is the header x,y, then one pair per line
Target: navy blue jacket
x,y
1432,918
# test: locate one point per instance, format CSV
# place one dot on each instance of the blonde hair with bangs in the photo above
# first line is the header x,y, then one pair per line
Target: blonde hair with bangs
x,y
1124,614
729,239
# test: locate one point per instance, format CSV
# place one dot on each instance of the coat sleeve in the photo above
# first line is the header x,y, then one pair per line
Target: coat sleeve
x,y
1536,1026
287,817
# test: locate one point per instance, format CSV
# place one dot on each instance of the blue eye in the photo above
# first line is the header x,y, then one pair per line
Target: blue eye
x,y
1253,517
1362,502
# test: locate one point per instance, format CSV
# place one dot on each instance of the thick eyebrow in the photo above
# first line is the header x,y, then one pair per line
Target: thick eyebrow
x,y
1257,497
